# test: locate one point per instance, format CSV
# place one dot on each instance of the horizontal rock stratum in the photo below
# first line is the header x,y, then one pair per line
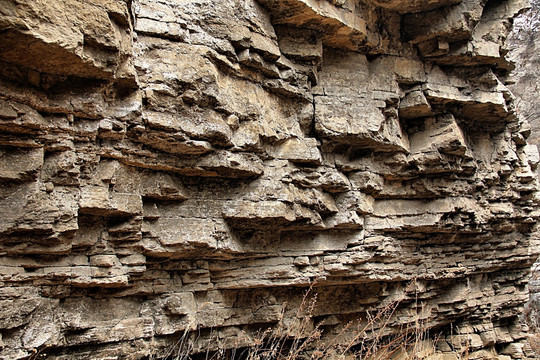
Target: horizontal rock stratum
x,y
181,172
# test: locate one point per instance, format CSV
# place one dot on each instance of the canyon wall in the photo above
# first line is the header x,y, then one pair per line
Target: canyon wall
x,y
176,174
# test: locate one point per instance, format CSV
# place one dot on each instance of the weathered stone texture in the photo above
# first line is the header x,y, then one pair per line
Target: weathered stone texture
x,y
524,42
189,168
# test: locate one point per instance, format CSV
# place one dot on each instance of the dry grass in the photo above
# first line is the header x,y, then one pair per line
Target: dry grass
x,y
370,341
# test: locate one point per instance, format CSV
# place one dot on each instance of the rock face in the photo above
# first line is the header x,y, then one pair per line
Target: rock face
x,y
524,42
180,172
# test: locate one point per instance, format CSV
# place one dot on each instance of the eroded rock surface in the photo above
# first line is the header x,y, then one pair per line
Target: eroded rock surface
x,y
524,42
187,169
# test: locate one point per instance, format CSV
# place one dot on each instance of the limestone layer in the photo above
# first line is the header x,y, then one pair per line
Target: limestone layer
x,y
179,172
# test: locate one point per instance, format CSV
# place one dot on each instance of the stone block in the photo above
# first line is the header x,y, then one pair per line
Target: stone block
x,y
97,200
414,105
55,43
231,165
301,44
18,164
347,30
104,260
267,213
184,232
180,304
441,134
299,150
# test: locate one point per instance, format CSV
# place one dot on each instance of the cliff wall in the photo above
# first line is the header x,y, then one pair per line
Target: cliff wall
x,y
182,171
524,44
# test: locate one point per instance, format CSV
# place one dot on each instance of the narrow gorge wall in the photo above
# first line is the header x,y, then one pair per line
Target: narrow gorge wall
x,y
184,170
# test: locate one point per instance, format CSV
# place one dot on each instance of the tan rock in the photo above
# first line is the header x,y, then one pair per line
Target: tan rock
x,y
299,150
20,165
180,178
72,38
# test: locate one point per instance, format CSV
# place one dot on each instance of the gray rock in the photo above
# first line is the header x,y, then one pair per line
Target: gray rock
x,y
211,171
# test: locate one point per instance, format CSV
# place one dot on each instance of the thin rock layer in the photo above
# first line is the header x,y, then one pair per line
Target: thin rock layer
x,y
181,172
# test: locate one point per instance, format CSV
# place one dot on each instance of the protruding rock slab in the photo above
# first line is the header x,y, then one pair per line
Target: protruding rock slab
x,y
180,177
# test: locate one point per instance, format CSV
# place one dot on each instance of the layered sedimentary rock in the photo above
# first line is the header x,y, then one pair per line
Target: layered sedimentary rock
x,y
524,43
181,172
